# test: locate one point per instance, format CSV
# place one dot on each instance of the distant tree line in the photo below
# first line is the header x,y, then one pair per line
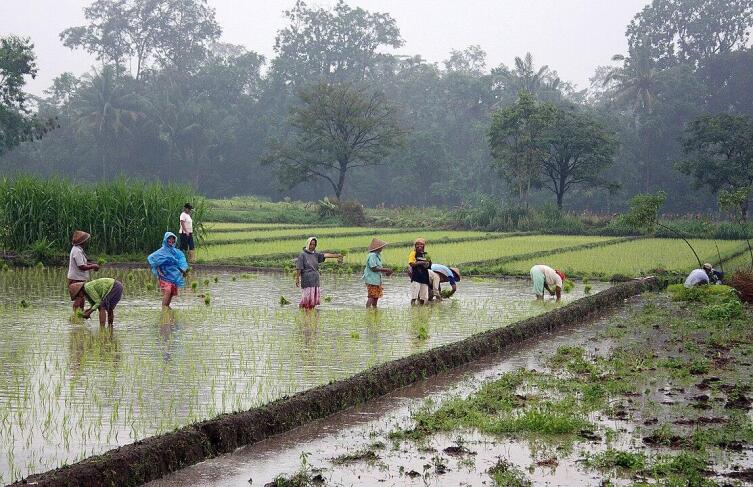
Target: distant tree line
x,y
333,114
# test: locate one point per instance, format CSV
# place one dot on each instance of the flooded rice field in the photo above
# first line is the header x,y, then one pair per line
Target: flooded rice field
x,y
69,389
646,395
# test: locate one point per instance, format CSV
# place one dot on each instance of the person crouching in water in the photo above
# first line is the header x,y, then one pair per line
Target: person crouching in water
x,y
441,273
170,266
102,294
419,264
372,273
544,277
307,275
79,265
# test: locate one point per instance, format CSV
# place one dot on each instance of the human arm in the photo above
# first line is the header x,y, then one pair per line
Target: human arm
x,y
297,278
383,270
330,255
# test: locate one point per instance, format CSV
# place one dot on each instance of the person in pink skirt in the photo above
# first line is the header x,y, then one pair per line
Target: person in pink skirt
x,y
307,273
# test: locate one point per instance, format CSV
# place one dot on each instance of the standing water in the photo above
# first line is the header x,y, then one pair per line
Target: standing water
x,y
69,390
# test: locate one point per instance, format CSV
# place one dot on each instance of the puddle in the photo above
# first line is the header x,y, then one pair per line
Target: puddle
x,y
71,390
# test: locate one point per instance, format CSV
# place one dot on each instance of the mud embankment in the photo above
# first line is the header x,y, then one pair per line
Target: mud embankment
x,y
154,457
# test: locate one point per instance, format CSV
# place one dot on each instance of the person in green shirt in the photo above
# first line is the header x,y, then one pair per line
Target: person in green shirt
x,y
102,294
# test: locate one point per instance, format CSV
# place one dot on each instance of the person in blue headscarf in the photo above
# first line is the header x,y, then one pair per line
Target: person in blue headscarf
x,y
170,266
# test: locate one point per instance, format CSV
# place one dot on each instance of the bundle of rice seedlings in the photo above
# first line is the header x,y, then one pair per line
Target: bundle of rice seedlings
x,y
742,281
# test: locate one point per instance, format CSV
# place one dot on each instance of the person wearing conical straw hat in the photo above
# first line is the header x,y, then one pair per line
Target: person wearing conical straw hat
x,y
79,265
372,273
307,273
103,294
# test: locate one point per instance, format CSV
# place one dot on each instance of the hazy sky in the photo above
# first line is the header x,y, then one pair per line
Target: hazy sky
x,y
571,36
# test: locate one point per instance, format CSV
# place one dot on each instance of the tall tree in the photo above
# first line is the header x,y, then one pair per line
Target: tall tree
x,y
341,44
335,129
16,123
719,153
516,138
691,31
635,84
578,148
170,32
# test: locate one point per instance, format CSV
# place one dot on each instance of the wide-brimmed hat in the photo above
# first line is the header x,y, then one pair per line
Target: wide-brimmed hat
x,y
456,271
74,289
420,240
707,266
79,237
188,205
376,244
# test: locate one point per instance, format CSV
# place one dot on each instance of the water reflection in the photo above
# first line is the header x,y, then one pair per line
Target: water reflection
x,y
88,348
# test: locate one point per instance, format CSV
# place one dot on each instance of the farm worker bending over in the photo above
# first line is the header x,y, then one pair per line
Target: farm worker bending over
x,y
703,276
307,273
544,277
372,273
441,273
419,264
169,265
186,244
103,294
79,264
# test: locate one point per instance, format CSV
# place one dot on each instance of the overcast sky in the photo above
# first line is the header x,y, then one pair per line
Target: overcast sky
x,y
571,36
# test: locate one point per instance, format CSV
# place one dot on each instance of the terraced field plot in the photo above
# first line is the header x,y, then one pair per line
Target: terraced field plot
x,y
299,232
233,226
632,258
71,390
482,250
215,253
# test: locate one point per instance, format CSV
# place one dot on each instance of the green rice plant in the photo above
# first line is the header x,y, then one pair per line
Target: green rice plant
x,y
568,286
122,216
587,289
284,301
632,258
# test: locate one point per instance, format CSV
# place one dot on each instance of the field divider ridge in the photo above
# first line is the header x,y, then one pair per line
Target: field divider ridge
x,y
156,456
302,236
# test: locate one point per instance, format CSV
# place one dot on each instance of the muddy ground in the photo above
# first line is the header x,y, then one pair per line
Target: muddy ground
x,y
658,393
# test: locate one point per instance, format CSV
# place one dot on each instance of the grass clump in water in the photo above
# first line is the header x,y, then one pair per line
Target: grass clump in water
x,y
505,474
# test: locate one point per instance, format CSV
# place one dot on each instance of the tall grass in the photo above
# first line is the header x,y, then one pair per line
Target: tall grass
x,y
122,216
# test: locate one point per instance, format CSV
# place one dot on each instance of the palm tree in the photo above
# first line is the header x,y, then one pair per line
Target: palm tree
x,y
636,82
105,109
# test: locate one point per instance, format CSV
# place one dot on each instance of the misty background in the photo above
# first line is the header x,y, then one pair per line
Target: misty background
x,y
199,92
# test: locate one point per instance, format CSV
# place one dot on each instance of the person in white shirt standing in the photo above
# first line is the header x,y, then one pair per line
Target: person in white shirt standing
x,y
186,243
79,264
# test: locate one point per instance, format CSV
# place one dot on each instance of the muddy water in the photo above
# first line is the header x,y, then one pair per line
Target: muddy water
x,y
70,389
359,427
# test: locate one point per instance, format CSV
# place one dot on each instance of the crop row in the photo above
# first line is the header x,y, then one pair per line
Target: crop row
x,y
235,227
214,253
632,258
481,250
295,233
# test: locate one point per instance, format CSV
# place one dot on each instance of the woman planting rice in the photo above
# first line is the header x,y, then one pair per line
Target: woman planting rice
x,y
103,294
544,277
372,273
307,273
79,264
169,265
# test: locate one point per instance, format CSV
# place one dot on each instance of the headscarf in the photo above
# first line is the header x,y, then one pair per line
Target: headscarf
x,y
420,240
561,274
170,260
308,242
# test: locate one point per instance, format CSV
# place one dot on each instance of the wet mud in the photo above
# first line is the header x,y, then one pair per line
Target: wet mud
x,y
154,457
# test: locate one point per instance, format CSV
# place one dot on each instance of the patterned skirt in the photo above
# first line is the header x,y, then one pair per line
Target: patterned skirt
x,y
309,298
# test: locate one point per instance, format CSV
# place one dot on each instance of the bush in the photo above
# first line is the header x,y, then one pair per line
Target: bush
x,y
122,216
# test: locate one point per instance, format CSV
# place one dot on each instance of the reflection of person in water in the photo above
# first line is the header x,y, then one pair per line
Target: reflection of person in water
x,y
86,347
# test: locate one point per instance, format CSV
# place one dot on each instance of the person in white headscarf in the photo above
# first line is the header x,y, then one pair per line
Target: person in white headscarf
x,y
307,273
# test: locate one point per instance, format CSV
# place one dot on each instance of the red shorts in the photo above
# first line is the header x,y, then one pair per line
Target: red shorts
x,y
168,286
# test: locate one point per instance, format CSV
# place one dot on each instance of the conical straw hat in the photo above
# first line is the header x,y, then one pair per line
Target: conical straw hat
x,y
79,237
376,244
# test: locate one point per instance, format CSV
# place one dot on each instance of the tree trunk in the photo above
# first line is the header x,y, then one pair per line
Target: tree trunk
x,y
341,180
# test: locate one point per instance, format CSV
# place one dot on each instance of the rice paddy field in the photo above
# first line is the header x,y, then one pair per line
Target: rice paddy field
x,y
70,389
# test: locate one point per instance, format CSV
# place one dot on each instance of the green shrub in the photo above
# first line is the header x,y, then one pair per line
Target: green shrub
x,y
122,216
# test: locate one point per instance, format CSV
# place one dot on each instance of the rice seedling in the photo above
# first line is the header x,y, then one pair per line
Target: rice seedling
x,y
283,301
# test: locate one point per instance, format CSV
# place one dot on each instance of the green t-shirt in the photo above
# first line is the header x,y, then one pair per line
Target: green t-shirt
x,y
97,289
370,277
